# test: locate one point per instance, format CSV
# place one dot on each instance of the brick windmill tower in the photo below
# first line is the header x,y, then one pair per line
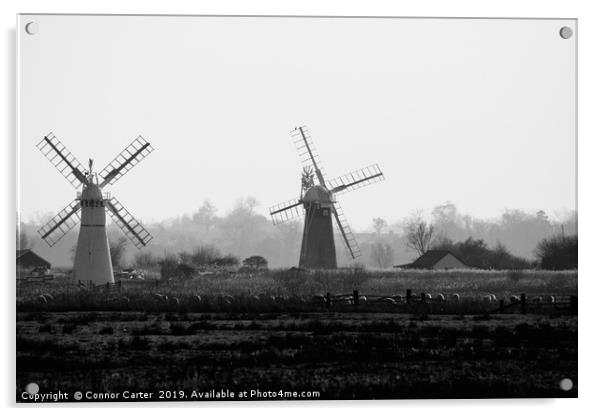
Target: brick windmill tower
x,y
320,206
92,254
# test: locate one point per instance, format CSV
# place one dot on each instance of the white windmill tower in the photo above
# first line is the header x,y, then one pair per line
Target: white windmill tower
x,y
92,255
320,206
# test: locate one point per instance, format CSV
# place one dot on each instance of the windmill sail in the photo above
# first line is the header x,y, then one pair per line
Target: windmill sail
x,y
63,160
125,161
356,179
128,224
286,211
60,224
307,151
346,234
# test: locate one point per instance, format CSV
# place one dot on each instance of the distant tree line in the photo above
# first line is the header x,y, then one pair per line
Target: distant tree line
x,y
23,240
553,251
245,230
185,264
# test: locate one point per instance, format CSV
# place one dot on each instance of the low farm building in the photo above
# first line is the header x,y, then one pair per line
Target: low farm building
x,y
27,260
436,260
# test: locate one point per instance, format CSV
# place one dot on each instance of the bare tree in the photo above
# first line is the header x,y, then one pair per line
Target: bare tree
x,y
418,234
117,250
205,215
381,255
378,224
145,260
23,239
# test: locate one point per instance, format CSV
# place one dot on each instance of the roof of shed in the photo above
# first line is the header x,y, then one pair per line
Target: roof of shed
x,y
429,259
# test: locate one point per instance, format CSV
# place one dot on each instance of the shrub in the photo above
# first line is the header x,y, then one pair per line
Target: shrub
x,y
205,255
558,252
117,249
145,260
168,267
227,260
184,271
185,265
256,262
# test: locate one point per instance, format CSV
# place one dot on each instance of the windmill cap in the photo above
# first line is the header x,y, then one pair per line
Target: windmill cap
x,y
317,193
92,191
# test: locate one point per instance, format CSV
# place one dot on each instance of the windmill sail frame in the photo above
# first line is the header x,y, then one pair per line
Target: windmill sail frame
x,y
129,157
345,231
306,149
73,171
286,211
63,160
130,226
55,229
356,179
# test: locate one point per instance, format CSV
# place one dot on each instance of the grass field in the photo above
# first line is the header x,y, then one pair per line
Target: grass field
x,y
285,283
263,332
344,356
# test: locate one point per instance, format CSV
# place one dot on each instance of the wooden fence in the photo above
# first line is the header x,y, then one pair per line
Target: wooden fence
x,y
410,302
120,284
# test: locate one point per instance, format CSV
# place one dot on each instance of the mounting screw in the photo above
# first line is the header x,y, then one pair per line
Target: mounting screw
x,y
566,32
31,28
566,384
32,388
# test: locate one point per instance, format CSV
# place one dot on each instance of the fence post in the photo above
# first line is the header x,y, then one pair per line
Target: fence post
x,y
356,297
328,300
523,303
108,285
119,286
408,295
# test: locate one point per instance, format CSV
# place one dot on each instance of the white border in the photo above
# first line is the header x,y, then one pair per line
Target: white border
x,y
590,209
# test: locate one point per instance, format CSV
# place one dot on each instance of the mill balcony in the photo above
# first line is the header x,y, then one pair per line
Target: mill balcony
x,y
105,196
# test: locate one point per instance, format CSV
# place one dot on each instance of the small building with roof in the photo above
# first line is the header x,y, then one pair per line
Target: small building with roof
x,y
436,260
28,260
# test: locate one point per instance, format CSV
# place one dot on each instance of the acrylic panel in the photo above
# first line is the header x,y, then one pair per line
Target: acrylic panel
x,y
295,207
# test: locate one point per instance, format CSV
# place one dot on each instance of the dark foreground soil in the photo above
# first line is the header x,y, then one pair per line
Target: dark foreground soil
x,y
242,356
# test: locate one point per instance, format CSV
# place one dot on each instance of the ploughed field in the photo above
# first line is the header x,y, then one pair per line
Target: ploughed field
x,y
342,354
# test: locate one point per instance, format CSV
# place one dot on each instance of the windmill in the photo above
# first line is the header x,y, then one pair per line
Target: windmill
x,y
319,205
92,255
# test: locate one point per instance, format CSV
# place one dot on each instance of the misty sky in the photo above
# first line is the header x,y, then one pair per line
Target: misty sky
x,y
477,112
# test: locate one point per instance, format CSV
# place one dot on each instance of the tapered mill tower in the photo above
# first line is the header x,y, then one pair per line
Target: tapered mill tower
x,y
317,247
318,203
92,254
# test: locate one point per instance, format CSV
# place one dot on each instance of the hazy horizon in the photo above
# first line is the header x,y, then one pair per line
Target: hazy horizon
x,y
40,217
244,231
